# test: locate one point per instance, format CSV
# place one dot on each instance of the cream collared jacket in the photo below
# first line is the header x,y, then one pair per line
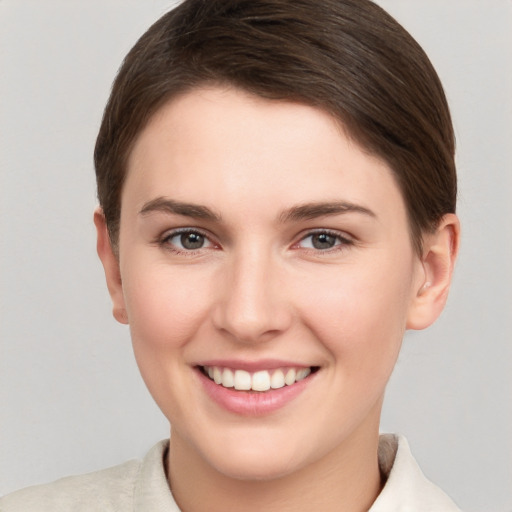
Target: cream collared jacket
x,y
141,486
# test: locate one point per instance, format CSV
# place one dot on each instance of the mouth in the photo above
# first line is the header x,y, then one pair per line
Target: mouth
x,y
259,381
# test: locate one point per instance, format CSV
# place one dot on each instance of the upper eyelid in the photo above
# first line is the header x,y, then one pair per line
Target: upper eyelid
x,y
333,232
169,233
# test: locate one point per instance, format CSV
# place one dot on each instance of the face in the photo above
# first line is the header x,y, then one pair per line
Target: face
x,y
267,275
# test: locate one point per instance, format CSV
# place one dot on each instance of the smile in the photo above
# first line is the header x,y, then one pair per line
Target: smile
x,y
255,389
263,380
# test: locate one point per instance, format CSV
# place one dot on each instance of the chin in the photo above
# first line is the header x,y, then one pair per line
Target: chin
x,y
256,470
258,461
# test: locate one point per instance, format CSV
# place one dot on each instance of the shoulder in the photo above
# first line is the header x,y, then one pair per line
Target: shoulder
x,y
107,490
406,486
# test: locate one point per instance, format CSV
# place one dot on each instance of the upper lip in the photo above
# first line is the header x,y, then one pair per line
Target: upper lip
x,y
253,366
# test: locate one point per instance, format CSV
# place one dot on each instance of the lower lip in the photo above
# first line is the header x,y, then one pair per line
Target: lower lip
x,y
252,403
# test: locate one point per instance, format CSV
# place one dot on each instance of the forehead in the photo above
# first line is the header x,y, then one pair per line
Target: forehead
x,y
224,145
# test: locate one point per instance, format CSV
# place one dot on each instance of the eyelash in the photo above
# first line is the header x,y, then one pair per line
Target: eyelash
x,y
342,242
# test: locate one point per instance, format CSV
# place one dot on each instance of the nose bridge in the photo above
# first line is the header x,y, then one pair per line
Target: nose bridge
x,y
251,307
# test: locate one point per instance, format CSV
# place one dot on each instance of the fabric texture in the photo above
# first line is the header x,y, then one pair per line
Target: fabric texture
x,y
141,486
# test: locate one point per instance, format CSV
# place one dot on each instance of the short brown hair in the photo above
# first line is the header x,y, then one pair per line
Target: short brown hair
x,y
347,57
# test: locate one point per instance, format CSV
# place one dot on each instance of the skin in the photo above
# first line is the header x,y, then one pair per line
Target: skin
x,y
259,289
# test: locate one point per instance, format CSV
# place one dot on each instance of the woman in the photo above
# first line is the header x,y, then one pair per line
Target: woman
x,y
277,206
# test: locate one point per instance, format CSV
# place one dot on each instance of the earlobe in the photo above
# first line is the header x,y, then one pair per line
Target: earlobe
x,y
439,254
111,267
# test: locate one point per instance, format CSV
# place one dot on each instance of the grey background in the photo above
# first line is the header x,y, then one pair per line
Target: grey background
x,y
71,399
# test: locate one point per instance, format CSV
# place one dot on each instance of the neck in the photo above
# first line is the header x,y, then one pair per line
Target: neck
x,y
347,478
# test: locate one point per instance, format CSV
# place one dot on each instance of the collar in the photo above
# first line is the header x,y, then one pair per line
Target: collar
x,y
406,488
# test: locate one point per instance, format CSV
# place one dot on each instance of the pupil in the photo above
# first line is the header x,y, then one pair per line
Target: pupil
x,y
192,240
323,241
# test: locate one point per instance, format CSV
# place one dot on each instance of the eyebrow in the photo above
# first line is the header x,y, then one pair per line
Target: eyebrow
x,y
165,205
309,211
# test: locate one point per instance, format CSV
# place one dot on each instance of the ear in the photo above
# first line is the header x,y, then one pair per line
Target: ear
x,y
111,267
434,278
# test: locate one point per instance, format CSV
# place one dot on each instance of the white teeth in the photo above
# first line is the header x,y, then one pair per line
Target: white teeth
x,y
262,380
289,378
242,380
277,379
302,373
228,379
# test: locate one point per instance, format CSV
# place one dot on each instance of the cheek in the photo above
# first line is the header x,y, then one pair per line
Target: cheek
x,y
165,310
165,306
360,314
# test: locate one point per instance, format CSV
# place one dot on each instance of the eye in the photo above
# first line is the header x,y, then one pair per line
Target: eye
x,y
187,240
323,241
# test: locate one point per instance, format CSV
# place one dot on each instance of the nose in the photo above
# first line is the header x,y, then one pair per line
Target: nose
x,y
252,305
